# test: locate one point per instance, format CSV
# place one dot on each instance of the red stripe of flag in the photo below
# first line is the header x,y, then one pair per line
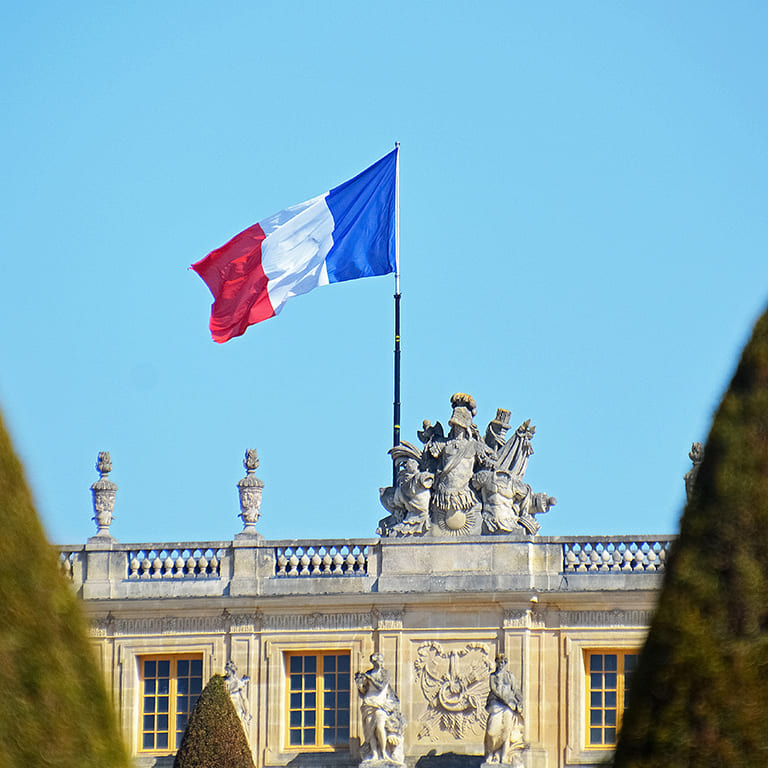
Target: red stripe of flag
x,y
239,286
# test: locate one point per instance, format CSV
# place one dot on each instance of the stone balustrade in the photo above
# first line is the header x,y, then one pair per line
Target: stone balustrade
x,y
322,560
609,554
182,561
105,568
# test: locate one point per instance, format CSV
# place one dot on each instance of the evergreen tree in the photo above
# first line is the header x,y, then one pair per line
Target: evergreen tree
x,y
214,737
699,696
54,709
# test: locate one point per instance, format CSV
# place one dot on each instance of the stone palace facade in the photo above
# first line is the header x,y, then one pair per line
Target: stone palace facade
x,y
457,577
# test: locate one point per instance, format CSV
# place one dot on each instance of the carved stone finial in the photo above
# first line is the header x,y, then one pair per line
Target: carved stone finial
x,y
250,489
696,455
104,492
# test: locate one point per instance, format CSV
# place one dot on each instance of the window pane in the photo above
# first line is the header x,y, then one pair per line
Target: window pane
x,y
162,704
610,699
162,722
183,669
595,736
163,686
318,701
196,685
596,699
595,663
149,704
595,680
149,741
164,668
150,686
610,662
610,735
610,717
596,717
162,741
182,686
610,680
197,668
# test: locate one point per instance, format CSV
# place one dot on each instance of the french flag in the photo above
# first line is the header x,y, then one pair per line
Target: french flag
x,y
341,235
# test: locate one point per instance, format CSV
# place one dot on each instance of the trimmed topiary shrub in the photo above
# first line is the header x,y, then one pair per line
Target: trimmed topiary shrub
x,y
54,710
699,696
214,737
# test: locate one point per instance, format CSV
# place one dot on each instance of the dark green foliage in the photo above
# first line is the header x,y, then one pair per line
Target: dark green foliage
x,y
700,694
53,705
214,737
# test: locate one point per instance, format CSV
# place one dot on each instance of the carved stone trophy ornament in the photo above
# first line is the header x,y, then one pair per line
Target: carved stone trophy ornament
x,y
383,722
504,728
463,483
250,489
104,492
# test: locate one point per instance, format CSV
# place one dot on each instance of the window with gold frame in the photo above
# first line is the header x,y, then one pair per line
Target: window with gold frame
x,y
170,687
318,687
608,675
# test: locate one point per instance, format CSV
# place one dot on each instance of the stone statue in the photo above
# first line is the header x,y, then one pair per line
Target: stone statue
x,y
453,499
462,483
504,728
237,691
383,723
509,504
409,501
696,455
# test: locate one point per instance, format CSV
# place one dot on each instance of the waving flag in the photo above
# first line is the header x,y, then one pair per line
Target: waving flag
x,y
343,234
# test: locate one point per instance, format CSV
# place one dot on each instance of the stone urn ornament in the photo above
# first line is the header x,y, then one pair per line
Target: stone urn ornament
x,y
104,492
250,489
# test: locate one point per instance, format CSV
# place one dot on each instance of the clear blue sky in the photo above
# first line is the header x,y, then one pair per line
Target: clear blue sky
x,y
584,240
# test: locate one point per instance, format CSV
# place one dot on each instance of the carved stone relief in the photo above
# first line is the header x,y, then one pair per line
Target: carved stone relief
x,y
454,683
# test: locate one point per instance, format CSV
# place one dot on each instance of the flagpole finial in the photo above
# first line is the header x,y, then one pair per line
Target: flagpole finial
x,y
397,145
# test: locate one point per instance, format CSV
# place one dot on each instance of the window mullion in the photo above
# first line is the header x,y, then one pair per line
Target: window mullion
x,y
319,709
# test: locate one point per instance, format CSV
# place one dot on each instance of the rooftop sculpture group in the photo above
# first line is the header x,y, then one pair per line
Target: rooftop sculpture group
x,y
462,482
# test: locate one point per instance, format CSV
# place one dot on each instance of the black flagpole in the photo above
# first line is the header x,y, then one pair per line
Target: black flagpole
x,y
396,429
